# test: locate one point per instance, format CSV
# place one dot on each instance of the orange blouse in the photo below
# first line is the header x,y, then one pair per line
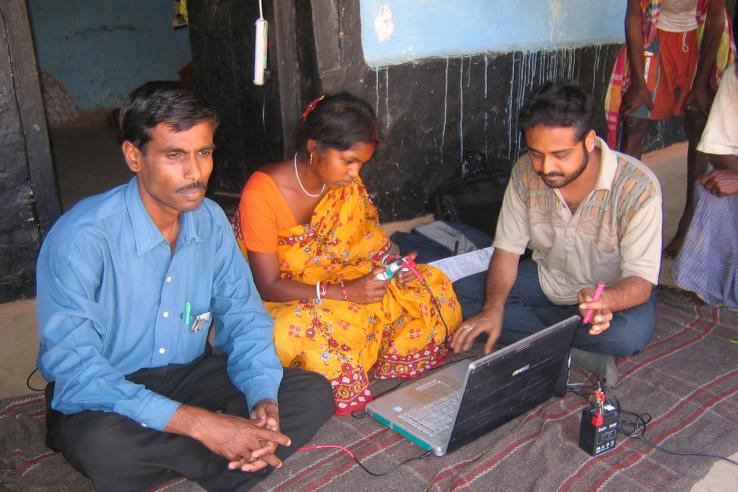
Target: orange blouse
x,y
262,213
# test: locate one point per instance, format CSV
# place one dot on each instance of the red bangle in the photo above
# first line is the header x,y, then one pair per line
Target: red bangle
x,y
343,290
323,288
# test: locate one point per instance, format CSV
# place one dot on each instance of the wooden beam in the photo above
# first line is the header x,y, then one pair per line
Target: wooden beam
x,y
31,108
283,39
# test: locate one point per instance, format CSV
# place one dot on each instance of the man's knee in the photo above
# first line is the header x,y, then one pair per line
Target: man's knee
x,y
92,438
322,392
628,346
318,403
640,325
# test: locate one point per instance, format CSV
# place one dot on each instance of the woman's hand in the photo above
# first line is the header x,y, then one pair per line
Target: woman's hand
x,y
405,276
367,289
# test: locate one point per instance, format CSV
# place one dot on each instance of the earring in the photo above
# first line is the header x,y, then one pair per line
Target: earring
x,y
310,162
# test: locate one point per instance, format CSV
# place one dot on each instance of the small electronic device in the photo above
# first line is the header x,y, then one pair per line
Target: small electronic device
x,y
599,429
405,263
260,51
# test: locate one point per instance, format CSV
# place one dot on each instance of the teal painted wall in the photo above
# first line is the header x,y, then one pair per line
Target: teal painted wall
x,y
101,50
398,31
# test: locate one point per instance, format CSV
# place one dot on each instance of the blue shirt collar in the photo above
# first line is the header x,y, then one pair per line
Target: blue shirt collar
x,y
145,232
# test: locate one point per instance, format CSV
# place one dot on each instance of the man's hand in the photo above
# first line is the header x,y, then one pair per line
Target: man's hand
x,y
721,182
488,321
601,316
247,444
268,411
636,97
266,415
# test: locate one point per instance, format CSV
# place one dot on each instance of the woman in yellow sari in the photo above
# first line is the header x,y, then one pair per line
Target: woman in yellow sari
x,y
314,244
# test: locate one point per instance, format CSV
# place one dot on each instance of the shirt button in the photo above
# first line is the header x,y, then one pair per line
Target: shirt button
x,y
165,314
162,350
169,280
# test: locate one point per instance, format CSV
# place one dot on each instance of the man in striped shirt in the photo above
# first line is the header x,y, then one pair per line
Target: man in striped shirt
x,y
590,215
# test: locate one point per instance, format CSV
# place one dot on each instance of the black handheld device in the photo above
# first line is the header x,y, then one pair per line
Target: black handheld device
x,y
599,428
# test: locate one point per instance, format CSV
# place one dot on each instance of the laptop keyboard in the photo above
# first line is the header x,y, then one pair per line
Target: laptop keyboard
x,y
435,416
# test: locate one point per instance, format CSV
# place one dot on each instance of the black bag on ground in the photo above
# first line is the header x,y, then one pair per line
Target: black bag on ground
x,y
475,202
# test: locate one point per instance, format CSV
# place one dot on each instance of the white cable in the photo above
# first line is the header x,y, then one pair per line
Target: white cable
x,y
261,11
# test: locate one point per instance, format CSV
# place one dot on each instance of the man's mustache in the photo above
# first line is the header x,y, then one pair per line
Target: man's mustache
x,y
195,185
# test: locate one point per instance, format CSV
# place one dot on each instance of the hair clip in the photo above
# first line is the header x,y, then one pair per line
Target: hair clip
x,y
311,106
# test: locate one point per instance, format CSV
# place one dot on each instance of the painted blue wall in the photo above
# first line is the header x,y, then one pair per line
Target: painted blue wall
x,y
101,50
439,28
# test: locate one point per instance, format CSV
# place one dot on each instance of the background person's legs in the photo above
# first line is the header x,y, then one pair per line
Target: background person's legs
x,y
634,129
697,163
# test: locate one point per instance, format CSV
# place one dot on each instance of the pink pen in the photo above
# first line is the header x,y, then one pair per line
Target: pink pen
x,y
598,292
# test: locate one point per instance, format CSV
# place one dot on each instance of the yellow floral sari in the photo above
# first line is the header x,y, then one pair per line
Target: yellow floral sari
x,y
401,336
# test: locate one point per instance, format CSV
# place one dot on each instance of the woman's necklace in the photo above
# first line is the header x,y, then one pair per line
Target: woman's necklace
x,y
297,175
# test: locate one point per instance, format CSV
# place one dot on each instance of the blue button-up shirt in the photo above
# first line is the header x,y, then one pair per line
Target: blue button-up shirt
x,y
112,300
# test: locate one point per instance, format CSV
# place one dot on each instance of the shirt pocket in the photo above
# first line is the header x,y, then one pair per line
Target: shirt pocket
x,y
542,237
606,261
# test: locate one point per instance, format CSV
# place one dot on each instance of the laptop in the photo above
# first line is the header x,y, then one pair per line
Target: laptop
x,y
463,401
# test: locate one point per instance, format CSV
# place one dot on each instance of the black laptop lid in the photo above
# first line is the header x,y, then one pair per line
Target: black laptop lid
x,y
512,381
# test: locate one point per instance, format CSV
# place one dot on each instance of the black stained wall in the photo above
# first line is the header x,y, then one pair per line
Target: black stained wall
x,y
222,55
19,234
434,113
28,198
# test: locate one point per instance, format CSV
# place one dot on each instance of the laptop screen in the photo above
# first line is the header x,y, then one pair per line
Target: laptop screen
x,y
512,381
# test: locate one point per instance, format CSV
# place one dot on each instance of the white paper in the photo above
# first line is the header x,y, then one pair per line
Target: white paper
x,y
458,267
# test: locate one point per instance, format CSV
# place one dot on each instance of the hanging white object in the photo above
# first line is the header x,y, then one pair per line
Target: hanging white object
x,y
260,51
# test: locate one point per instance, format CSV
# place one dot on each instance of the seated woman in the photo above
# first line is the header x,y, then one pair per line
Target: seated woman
x,y
707,264
312,238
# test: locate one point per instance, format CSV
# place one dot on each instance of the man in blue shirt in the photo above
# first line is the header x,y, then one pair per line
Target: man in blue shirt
x,y
129,282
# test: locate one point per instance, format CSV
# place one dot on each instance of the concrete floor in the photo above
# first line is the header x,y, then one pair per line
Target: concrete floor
x,y
88,161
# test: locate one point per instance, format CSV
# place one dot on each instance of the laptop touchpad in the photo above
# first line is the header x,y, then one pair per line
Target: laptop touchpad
x,y
433,388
